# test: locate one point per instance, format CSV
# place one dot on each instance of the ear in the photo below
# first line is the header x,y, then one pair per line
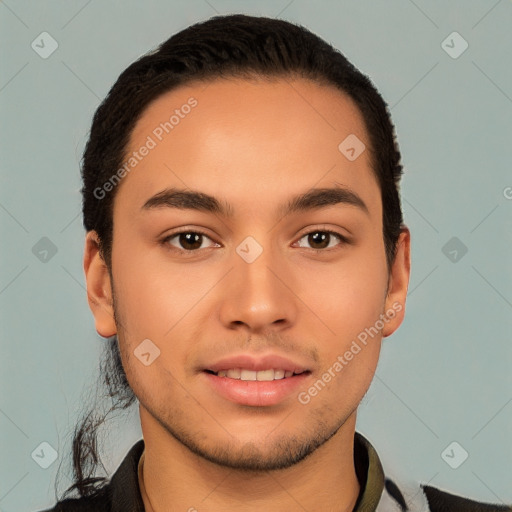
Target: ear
x,y
398,283
99,289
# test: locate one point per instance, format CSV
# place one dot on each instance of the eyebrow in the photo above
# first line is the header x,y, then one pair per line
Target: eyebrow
x,y
313,199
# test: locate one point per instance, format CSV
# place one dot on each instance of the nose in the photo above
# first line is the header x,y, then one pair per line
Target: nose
x,y
259,294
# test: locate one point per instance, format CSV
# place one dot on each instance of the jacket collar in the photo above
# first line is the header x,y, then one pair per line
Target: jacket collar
x,y
124,484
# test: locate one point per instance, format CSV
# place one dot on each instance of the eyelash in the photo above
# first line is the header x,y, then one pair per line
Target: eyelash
x,y
165,242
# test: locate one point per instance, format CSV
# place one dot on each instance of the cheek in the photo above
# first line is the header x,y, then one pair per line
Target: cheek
x,y
349,303
347,296
153,296
160,302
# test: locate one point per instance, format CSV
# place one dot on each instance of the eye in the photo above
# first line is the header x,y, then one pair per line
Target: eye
x,y
320,239
189,241
192,241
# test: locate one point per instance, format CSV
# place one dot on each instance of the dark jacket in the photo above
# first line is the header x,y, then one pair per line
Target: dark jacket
x,y
378,492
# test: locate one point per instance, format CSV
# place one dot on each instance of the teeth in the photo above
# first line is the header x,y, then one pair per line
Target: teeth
x,y
262,375
265,375
278,374
248,375
234,373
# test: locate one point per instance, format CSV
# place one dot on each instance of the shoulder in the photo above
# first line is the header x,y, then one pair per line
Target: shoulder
x,y
100,502
120,493
443,501
406,497
78,505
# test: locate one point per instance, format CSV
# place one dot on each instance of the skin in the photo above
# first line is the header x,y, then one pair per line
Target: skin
x,y
253,144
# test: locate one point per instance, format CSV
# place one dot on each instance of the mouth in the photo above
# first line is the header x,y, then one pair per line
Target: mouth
x,y
257,380
268,375
256,388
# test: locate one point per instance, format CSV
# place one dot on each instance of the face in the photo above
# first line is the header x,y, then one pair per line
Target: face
x,y
262,322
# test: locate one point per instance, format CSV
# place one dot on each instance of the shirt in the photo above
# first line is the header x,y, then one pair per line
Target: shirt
x,y
378,492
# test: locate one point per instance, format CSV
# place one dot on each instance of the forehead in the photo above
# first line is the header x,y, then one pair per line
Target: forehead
x,y
261,140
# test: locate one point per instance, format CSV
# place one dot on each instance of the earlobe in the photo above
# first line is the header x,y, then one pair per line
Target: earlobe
x,y
99,290
398,283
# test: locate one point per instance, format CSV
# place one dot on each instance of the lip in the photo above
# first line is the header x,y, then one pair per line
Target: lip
x,y
256,393
250,362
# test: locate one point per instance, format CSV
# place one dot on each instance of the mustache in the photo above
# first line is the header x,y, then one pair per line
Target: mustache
x,y
261,344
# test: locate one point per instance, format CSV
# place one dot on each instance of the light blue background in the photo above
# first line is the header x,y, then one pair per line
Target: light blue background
x,y
444,376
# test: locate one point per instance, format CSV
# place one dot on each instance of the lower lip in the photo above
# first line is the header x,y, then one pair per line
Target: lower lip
x,y
254,392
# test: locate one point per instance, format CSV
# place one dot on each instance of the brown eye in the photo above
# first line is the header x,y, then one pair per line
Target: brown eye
x,y
320,240
188,241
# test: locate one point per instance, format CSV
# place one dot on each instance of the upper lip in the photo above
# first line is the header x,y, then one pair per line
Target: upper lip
x,y
257,363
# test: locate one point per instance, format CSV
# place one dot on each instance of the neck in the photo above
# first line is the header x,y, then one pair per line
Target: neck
x,y
172,474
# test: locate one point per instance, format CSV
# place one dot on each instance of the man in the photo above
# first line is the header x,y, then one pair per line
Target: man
x,y
245,251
